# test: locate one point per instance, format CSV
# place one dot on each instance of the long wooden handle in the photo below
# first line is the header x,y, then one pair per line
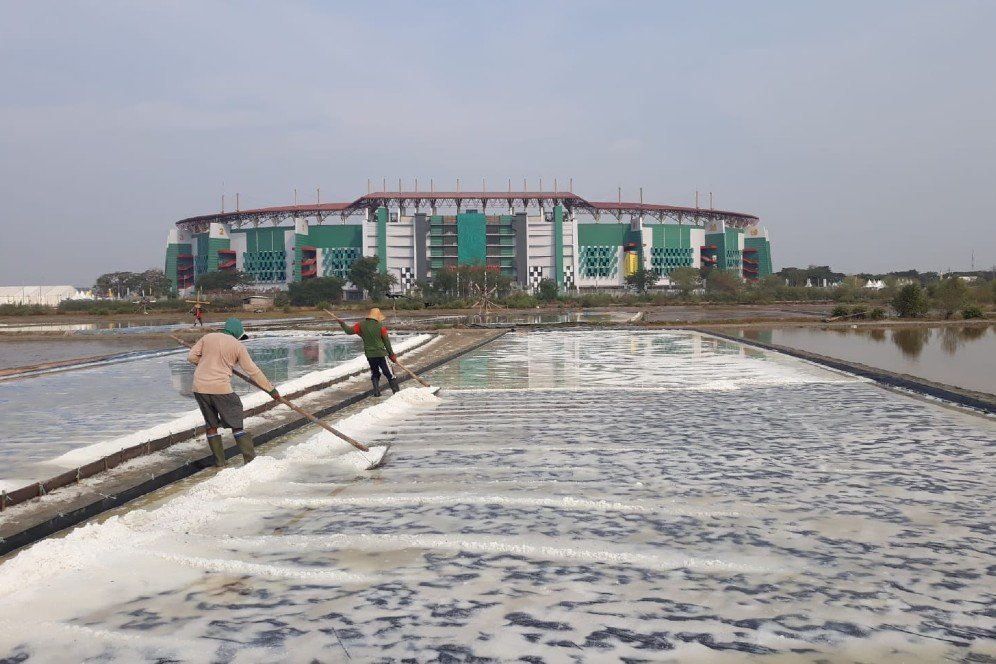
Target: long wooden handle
x,y
325,425
352,441
412,374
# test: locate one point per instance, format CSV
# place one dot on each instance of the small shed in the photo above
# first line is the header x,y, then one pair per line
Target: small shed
x,y
257,303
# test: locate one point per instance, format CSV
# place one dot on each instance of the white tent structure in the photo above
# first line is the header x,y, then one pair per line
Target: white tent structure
x,y
47,295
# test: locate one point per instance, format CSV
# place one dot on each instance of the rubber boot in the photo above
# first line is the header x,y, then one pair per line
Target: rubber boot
x,y
214,442
376,384
394,384
246,446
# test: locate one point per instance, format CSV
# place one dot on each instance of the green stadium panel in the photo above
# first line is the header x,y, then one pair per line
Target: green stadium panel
x,y
598,249
265,256
471,238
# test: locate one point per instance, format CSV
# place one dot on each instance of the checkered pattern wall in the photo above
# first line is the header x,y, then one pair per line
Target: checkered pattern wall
x,y
407,279
569,278
535,277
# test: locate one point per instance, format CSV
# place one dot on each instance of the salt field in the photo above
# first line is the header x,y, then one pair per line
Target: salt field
x,y
566,496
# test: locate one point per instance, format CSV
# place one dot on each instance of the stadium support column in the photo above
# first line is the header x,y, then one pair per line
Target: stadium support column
x,y
179,259
381,216
757,245
218,239
300,240
420,240
520,226
558,244
575,255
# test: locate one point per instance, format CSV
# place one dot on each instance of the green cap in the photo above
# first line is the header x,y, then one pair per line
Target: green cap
x,y
233,326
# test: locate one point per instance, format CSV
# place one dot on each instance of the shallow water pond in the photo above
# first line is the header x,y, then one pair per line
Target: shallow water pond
x,y
959,355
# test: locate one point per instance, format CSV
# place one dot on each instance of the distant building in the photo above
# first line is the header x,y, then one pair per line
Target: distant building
x,y
46,295
527,236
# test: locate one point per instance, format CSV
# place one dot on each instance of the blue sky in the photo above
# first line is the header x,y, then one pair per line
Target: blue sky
x,y
862,133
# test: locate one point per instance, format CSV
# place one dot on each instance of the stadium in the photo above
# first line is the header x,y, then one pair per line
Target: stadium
x,y
528,236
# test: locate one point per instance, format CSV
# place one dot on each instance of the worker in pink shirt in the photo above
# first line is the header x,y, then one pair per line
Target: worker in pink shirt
x,y
215,354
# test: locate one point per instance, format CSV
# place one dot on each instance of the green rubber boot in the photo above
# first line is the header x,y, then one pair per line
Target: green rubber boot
x,y
246,446
393,382
214,442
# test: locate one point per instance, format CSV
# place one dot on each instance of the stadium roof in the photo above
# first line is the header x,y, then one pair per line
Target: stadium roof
x,y
423,201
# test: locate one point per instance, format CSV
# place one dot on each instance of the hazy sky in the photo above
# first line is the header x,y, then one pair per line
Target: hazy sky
x,y
862,133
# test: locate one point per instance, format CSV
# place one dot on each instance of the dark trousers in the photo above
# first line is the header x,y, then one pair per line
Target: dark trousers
x,y
221,410
378,366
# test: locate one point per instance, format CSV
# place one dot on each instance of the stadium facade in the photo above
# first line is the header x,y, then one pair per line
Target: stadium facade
x,y
528,236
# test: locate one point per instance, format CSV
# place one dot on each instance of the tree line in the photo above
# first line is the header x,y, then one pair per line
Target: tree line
x,y
909,293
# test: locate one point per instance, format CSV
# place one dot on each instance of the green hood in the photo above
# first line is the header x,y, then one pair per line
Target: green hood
x,y
233,326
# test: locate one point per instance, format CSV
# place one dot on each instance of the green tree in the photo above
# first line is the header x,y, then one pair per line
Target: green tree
x,y
723,284
222,280
152,283
548,290
685,279
468,280
642,279
910,301
310,292
815,274
793,275
850,289
116,284
365,275
950,295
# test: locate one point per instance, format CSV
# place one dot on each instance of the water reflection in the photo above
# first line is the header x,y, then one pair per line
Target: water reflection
x,y
959,355
580,359
760,335
548,318
911,340
280,359
953,338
